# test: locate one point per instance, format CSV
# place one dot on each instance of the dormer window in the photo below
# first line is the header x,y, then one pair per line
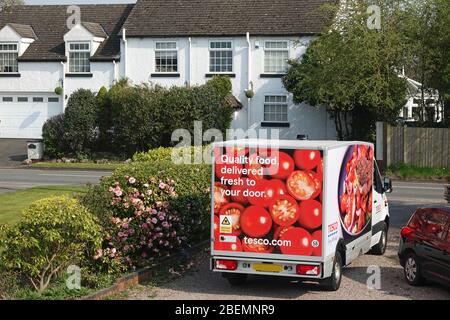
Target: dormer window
x,y
79,55
9,52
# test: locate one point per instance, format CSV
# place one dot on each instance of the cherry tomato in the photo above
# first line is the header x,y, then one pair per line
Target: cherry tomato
x,y
317,183
234,210
279,231
284,211
220,199
303,186
317,243
255,167
228,246
285,166
256,222
257,248
227,170
296,241
310,214
320,169
237,192
307,159
273,189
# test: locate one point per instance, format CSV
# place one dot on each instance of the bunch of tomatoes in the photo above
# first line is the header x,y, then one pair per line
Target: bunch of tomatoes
x,y
275,202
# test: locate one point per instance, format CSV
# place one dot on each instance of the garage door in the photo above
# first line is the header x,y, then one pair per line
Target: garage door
x,y
22,116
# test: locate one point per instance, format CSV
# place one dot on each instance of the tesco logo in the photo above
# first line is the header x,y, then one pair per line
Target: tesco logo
x,y
332,227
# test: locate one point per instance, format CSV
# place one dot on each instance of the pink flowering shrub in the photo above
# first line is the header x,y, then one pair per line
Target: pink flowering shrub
x,y
143,224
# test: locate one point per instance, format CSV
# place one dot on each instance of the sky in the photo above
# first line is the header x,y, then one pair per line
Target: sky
x,y
76,1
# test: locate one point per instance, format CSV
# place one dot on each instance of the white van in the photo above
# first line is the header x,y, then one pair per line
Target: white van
x,y
298,209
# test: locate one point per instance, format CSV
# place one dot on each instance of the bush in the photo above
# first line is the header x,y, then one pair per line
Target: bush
x,y
52,234
53,136
80,121
145,117
165,154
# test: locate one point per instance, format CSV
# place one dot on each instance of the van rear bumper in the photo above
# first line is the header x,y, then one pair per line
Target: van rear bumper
x,y
269,267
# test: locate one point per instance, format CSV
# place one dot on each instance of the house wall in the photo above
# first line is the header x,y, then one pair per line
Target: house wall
x,y
193,65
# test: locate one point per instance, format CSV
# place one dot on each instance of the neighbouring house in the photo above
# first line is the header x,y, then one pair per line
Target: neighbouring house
x,y
171,42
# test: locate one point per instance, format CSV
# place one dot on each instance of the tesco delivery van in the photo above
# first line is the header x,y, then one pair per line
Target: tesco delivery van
x,y
298,209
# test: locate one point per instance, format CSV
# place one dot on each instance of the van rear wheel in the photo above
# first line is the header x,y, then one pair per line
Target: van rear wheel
x,y
334,282
236,279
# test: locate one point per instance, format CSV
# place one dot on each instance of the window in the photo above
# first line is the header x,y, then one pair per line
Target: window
x,y
276,55
22,99
275,109
7,99
9,53
166,57
38,99
220,56
436,224
79,54
53,99
377,182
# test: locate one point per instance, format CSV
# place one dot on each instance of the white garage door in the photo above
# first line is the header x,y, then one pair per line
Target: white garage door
x,y
22,116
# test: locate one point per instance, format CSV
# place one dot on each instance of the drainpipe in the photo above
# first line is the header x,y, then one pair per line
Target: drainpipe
x,y
115,72
125,49
63,85
190,67
249,76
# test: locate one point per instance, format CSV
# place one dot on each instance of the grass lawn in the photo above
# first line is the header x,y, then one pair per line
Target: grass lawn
x,y
403,171
12,203
88,165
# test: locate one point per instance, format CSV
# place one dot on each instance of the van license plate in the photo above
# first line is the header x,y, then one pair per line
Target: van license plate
x,y
267,267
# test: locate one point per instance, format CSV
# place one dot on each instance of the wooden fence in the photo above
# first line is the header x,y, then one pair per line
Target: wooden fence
x,y
423,147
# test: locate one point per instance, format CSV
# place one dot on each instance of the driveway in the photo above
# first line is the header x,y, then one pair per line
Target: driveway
x,y
12,152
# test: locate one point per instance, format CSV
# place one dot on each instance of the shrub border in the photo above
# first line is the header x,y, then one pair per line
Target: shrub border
x,y
127,281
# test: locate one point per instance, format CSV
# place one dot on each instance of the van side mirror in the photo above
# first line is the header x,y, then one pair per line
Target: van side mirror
x,y
387,185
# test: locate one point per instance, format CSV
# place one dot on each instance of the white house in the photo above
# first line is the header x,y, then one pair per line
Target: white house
x,y
171,42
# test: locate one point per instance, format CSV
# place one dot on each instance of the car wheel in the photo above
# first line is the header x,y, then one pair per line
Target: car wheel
x,y
412,270
380,248
236,279
334,282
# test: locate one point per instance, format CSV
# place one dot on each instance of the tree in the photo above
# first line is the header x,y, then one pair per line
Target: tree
x,y
353,70
8,3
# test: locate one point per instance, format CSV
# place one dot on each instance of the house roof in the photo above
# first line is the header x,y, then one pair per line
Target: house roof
x,y
24,30
95,28
49,25
166,18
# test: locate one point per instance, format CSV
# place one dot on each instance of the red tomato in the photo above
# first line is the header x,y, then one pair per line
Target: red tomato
x,y
317,182
234,210
237,192
317,243
279,231
285,166
307,159
265,191
253,165
310,214
303,185
256,222
227,170
257,248
220,199
284,211
228,246
296,241
216,227
320,169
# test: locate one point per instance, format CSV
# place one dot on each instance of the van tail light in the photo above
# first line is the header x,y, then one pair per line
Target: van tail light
x,y
226,264
406,231
308,270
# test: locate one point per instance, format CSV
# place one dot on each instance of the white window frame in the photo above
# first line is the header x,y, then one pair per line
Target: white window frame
x,y
220,49
16,51
285,103
167,50
276,49
70,50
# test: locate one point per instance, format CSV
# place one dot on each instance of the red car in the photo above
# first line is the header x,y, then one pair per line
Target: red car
x,y
425,246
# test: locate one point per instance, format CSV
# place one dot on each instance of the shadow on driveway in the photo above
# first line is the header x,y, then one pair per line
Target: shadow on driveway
x,y
12,152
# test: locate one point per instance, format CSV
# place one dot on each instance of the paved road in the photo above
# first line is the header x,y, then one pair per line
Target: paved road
x,y
15,179
200,283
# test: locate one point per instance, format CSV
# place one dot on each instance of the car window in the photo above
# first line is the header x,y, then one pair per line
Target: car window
x,y
377,183
418,220
436,224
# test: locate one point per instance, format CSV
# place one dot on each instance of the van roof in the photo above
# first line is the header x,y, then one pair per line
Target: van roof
x,y
290,144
